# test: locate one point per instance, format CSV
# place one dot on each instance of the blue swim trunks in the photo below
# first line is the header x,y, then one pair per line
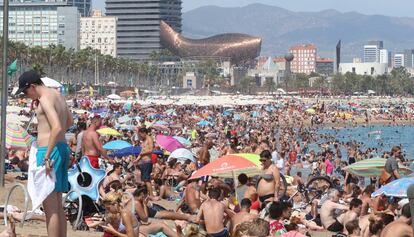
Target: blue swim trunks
x,y
60,156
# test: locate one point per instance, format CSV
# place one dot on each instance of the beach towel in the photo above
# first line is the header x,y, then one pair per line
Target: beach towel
x,y
39,185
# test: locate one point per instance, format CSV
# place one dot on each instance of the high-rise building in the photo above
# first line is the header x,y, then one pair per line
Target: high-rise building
x,y
84,6
409,58
138,27
99,32
383,53
398,60
372,51
41,23
304,58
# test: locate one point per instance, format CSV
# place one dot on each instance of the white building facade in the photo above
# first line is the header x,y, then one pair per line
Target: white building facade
x,y
398,60
43,24
372,69
99,32
372,51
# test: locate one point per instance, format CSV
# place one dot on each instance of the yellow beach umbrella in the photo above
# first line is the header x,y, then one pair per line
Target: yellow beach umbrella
x,y
109,132
310,111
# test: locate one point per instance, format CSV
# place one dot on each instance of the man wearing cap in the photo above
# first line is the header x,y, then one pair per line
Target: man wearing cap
x,y
54,118
91,146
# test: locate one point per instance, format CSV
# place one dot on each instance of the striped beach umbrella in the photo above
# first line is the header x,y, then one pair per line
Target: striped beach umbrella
x,y
371,167
17,137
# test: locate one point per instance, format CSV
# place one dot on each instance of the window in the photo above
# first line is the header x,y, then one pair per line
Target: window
x,y
353,70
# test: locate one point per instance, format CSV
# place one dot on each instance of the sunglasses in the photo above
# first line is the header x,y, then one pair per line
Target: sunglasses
x,y
263,160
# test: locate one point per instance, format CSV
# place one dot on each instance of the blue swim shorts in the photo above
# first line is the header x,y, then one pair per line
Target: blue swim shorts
x,y
60,156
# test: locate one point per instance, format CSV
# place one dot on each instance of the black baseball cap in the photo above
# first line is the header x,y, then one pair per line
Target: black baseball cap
x,y
26,79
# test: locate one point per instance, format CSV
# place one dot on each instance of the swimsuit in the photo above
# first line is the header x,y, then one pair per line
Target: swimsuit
x,y
146,169
60,158
223,233
336,226
94,160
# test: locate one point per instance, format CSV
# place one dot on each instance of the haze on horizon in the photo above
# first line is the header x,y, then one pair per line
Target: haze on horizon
x,y
399,8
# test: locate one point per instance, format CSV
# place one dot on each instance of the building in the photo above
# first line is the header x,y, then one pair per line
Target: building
x,y
84,6
304,60
238,48
192,81
266,71
409,58
138,26
99,32
325,66
383,56
39,23
372,51
372,69
398,60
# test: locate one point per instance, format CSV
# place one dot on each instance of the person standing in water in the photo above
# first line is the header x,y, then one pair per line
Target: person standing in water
x,y
54,118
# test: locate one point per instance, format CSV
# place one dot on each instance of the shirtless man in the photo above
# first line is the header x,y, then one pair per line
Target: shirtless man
x,y
366,199
91,146
191,202
204,154
212,211
329,218
354,213
269,182
242,216
54,118
144,161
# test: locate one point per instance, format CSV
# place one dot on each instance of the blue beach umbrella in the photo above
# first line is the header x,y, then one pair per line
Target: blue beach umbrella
x,y
397,188
133,150
203,123
116,145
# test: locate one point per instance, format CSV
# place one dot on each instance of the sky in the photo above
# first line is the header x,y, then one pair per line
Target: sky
x,y
402,8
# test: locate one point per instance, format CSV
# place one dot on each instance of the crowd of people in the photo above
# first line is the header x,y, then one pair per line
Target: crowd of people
x,y
140,192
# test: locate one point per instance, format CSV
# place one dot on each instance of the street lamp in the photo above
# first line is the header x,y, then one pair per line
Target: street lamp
x,y
4,92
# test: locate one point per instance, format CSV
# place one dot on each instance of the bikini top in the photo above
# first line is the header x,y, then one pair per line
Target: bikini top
x,y
122,228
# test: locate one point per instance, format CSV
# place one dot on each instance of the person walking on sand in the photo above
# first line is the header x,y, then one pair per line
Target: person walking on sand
x,y
54,118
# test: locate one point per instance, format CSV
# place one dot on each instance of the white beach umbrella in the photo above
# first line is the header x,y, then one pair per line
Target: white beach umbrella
x,y
113,97
49,82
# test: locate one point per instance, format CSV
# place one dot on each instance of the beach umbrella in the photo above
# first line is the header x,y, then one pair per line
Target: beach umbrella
x,y
231,166
108,132
116,145
371,167
125,127
17,137
49,82
397,188
171,112
182,154
182,140
168,143
133,150
204,123
310,111
124,119
113,97
161,123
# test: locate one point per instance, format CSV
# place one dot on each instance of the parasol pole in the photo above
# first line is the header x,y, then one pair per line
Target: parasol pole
x,y
4,91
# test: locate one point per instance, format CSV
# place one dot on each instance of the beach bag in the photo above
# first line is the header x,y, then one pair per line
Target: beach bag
x,y
385,177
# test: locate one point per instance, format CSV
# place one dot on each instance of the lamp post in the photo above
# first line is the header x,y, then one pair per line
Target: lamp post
x,y
4,91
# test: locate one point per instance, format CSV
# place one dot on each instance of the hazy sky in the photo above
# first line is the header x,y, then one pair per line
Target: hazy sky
x,y
383,7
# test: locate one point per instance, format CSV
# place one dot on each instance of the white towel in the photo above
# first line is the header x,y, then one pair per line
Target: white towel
x,y
39,185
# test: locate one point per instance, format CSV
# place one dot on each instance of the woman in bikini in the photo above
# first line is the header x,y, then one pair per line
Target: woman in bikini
x,y
123,221
269,181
